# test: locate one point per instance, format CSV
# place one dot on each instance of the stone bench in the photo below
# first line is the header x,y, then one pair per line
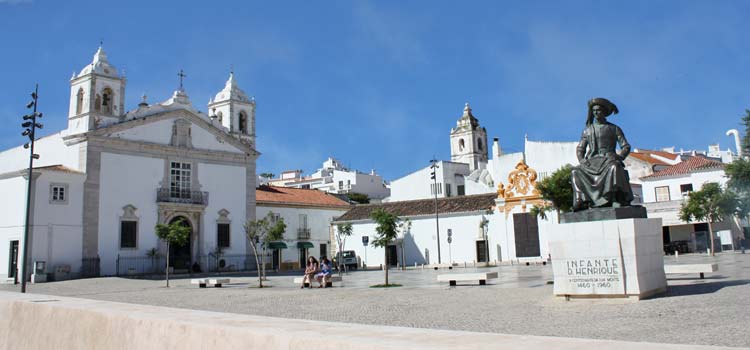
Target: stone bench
x,y
298,280
203,282
452,278
691,268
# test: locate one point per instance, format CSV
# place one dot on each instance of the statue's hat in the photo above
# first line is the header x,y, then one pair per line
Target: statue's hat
x,y
601,101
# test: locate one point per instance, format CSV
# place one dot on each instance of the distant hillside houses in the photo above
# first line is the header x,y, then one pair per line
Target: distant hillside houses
x,y
333,177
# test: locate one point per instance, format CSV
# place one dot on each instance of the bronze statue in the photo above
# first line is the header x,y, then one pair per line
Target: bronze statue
x,y
601,179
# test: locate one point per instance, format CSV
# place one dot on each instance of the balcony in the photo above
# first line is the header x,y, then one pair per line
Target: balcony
x,y
186,197
303,233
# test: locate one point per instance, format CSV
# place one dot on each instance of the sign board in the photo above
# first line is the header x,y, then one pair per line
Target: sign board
x,y
365,240
589,275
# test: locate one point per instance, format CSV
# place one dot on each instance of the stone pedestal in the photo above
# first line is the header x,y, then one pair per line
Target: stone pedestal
x,y
609,258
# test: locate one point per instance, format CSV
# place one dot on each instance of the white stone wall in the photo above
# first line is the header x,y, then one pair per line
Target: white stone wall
x,y
417,185
12,218
502,165
155,132
226,190
697,179
51,149
203,139
546,157
137,187
56,227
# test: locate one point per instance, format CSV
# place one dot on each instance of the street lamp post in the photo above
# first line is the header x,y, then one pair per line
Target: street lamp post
x,y
30,125
433,175
485,227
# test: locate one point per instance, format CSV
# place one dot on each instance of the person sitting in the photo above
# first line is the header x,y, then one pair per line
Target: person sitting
x,y
310,270
324,276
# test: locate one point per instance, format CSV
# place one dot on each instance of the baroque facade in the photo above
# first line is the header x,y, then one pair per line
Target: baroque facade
x,y
104,182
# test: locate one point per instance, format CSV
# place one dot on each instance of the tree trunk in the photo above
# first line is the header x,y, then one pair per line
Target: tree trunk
x,y
385,266
263,262
167,270
711,237
257,264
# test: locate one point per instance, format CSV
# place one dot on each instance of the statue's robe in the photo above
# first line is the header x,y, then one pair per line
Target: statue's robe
x,y
601,179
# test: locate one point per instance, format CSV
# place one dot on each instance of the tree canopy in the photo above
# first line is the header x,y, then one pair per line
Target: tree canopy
x,y
557,190
360,198
387,229
711,204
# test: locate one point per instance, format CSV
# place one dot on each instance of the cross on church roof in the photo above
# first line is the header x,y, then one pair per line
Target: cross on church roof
x,y
182,75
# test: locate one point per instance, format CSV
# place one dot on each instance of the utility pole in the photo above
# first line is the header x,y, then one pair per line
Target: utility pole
x,y
433,175
30,125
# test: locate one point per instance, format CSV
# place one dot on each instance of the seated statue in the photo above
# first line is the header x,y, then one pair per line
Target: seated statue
x,y
601,179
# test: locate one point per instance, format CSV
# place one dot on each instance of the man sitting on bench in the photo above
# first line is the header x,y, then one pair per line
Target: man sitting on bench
x,y
324,276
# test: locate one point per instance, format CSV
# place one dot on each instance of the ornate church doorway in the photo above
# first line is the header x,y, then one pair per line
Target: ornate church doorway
x,y
179,256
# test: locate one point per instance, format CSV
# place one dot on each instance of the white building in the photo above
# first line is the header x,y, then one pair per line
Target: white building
x,y
449,177
103,183
334,177
510,232
308,215
665,191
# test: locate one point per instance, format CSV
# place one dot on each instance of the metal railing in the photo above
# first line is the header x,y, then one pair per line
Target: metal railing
x,y
182,196
303,233
147,265
90,267
140,265
230,262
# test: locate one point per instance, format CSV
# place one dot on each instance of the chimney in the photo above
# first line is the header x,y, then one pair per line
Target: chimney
x,y
496,150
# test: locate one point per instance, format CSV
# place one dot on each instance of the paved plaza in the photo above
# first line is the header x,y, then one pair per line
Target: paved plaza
x,y
713,311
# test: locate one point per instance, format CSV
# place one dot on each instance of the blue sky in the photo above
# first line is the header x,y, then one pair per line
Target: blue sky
x,y
379,84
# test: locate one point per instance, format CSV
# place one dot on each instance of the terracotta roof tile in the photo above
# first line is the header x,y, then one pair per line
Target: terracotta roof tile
x,y
645,157
686,167
60,168
286,195
424,206
662,154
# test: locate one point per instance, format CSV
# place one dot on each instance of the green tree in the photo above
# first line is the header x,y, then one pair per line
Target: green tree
x,y
360,198
177,233
746,139
387,229
267,175
259,233
711,204
343,231
557,191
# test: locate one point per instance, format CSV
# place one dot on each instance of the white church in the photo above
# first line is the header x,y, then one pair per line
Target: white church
x,y
103,183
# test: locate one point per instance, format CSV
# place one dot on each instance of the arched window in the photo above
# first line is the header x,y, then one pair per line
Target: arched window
x,y
461,145
220,116
79,101
243,122
98,103
479,144
107,100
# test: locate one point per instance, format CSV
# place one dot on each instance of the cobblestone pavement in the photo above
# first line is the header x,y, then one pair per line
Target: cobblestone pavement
x,y
713,311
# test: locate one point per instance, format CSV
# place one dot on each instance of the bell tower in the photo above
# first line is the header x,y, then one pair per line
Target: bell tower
x,y
235,111
97,95
469,141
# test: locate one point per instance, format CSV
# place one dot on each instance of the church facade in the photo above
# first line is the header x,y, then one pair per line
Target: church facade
x,y
104,182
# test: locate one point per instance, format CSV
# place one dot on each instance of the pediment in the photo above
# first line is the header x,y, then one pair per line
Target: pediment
x,y
181,129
